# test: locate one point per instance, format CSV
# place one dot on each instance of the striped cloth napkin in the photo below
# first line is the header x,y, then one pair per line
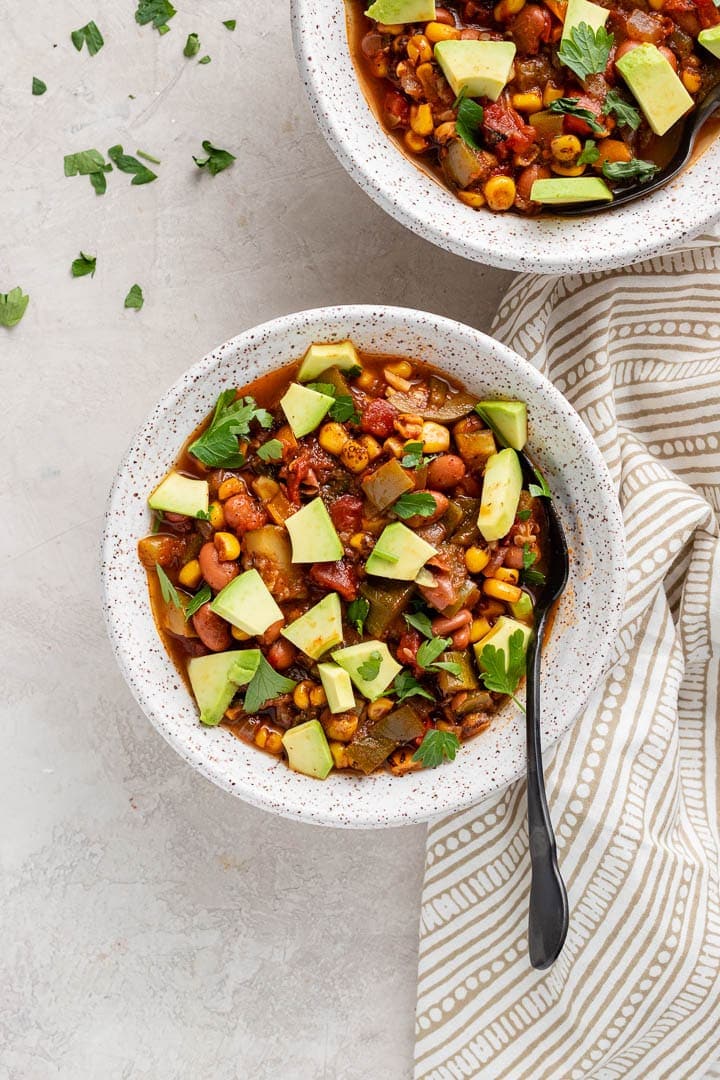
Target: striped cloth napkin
x,y
633,788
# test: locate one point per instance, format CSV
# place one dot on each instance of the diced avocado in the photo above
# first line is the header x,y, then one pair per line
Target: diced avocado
x,y
178,494
307,749
304,408
399,553
499,636
657,88
387,484
502,484
247,603
313,535
510,419
337,685
377,655
479,68
319,629
394,12
710,39
570,189
582,11
215,679
522,609
319,358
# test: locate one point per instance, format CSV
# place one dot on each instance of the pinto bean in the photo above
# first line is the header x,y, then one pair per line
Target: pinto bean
x,y
527,178
443,626
213,631
441,505
513,557
217,574
243,513
272,633
445,471
461,638
531,26
281,654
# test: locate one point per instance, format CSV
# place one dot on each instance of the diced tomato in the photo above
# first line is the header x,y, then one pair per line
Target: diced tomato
x,y
407,649
346,513
572,125
377,418
505,131
709,14
340,576
397,109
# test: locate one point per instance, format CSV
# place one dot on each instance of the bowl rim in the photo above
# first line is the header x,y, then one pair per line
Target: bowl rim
x,y
145,692
548,253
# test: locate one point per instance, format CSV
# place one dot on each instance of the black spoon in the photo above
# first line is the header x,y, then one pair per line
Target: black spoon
x,y
548,915
679,160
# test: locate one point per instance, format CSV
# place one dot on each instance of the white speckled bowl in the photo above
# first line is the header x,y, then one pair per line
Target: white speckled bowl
x,y
585,626
552,245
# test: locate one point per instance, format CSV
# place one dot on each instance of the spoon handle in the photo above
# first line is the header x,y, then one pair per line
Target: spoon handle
x,y
548,915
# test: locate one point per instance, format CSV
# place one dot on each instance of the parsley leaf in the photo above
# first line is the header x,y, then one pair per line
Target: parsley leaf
x,y
205,60
541,488
216,159
135,298
629,170
469,118
371,668
523,515
217,447
413,456
88,35
157,12
265,685
343,409
590,153
357,613
230,23
626,113
415,502
128,164
272,450
38,87
192,45
406,686
420,621
429,651
84,265
533,577
89,163
528,557
586,51
570,107
197,601
437,746
13,306
167,589
500,675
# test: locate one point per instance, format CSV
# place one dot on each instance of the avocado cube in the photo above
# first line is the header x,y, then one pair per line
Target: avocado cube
x,y
337,686
394,12
522,609
370,665
304,408
319,629
215,679
319,358
500,636
399,553
710,40
509,418
312,535
477,68
582,11
502,484
307,749
658,90
247,603
178,494
566,189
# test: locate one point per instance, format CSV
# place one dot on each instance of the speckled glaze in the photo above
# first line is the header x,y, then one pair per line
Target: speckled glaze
x,y
546,244
585,627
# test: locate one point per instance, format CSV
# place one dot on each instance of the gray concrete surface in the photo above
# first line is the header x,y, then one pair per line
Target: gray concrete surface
x,y
154,928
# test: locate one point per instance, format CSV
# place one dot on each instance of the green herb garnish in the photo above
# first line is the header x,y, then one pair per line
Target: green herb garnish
x,y
205,59
148,157
420,621
467,123
84,265
500,675
265,685
530,577
217,447
343,408
528,556
413,456
437,746
192,45
89,163
523,515
427,656
586,51
371,668
38,87
13,306
157,12
570,107
230,23
630,170
272,450
406,686
88,35
128,164
167,589
590,153
626,113
135,298
197,601
216,159
357,612
415,502
541,488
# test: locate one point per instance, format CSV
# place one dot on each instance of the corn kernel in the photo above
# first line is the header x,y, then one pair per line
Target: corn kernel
x,y
227,546
501,590
475,199
506,573
268,739
530,102
358,541
478,629
419,49
403,368
421,119
232,486
692,81
445,131
301,694
239,634
332,437
372,446
507,8
317,697
552,93
190,575
567,170
436,31
379,708
434,437
657,5
565,148
216,515
415,143
476,559
500,192
339,754
355,456
379,65
365,381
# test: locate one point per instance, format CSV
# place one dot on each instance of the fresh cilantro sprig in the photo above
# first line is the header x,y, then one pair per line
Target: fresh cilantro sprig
x,y
468,122
217,159
265,685
135,298
420,621
38,87
413,456
626,113
357,612
428,653
371,668
530,576
570,107
192,45
197,601
415,502
230,24
84,265
205,59
13,306
272,450
541,488
523,515
502,674
589,153
343,407
437,746
636,169
89,163
128,164
406,686
167,590
586,51
217,447
88,35
157,12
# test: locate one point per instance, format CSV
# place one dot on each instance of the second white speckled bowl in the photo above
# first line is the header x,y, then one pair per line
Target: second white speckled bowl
x,y
585,626
553,245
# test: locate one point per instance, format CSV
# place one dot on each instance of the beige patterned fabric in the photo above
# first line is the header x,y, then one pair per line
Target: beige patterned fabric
x,y
634,787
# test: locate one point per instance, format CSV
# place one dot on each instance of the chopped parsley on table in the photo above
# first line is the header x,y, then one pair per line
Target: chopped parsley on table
x,y
88,35
217,159
84,265
135,298
13,306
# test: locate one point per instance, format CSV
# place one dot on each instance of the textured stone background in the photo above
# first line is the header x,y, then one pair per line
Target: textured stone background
x,y
154,928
